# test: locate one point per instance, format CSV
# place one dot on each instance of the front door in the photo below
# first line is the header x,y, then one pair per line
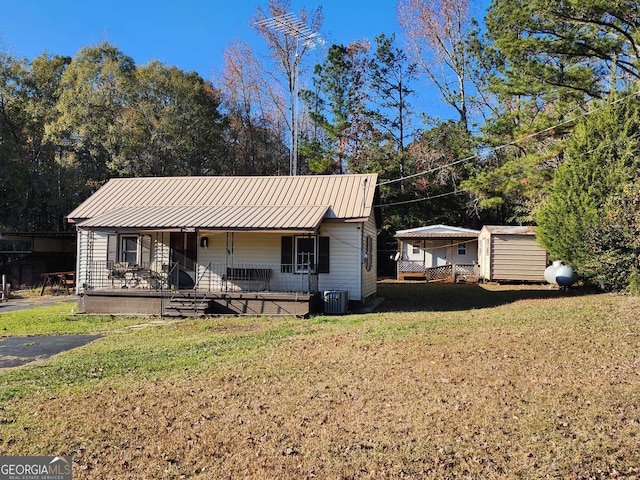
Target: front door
x,y
184,251
439,256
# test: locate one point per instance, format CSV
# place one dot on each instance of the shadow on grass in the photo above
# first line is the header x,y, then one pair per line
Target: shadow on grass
x,y
407,297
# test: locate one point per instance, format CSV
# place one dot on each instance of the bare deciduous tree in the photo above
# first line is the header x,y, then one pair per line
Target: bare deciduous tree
x,y
253,112
437,33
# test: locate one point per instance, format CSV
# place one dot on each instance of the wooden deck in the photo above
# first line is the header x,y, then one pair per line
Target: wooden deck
x,y
444,273
186,303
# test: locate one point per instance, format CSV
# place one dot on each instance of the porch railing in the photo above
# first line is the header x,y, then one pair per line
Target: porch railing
x,y
434,274
215,276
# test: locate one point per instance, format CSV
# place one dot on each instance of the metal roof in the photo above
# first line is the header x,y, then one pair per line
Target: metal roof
x,y
438,231
210,218
510,230
265,203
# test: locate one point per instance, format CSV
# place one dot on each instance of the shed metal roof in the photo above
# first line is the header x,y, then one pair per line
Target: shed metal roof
x,y
510,230
257,203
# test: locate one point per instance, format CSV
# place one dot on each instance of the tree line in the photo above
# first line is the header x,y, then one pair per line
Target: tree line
x,y
543,129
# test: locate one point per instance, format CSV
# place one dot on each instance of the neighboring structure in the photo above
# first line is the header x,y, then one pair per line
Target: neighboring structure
x,y
437,252
253,245
511,254
26,256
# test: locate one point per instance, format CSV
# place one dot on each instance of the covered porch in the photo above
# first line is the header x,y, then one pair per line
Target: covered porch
x,y
438,253
200,272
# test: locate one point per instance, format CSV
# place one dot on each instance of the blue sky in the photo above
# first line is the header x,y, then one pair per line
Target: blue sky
x,y
188,34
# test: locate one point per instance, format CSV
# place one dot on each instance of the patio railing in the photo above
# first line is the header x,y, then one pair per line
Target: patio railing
x,y
214,276
448,272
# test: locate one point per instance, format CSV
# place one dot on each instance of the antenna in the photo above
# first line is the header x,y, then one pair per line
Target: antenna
x,y
292,26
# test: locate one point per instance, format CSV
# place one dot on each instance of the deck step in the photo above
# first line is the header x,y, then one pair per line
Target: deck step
x,y
186,305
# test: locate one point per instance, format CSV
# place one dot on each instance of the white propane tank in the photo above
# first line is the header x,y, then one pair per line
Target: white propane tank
x,y
550,271
566,276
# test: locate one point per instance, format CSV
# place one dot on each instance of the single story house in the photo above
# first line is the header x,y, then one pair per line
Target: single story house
x,y
511,254
437,252
227,245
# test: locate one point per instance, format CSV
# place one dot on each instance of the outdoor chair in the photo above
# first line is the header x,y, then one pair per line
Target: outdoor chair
x,y
119,272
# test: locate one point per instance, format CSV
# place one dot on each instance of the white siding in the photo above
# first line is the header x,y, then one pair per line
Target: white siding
x,y
92,247
346,267
81,259
471,254
419,255
159,251
345,259
434,253
345,263
248,249
484,257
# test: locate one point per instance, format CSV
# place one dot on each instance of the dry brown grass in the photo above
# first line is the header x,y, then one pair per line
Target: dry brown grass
x,y
536,386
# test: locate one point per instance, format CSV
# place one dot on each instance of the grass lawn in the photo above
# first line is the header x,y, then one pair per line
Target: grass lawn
x,y
443,381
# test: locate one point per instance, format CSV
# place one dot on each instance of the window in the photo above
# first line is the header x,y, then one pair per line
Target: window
x,y
462,249
305,254
368,249
129,249
416,248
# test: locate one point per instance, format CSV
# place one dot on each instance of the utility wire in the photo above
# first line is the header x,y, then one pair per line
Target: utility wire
x,y
515,175
415,200
512,143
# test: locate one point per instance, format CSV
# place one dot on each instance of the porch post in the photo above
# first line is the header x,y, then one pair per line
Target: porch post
x,y
309,266
398,262
88,271
229,247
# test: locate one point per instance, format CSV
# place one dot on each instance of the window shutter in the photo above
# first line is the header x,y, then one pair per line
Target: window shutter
x,y
112,250
286,255
145,251
323,255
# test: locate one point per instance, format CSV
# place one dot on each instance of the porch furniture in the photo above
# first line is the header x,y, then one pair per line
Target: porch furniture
x,y
131,276
118,272
262,275
66,280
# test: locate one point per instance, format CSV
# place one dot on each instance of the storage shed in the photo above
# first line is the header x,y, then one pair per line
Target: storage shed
x,y
511,254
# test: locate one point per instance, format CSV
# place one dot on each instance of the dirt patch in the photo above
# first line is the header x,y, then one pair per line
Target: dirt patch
x,y
17,351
